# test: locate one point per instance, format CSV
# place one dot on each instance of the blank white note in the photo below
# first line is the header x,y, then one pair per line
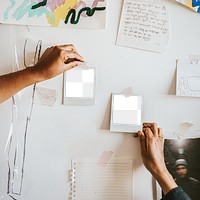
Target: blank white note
x,y
92,181
79,83
144,25
126,110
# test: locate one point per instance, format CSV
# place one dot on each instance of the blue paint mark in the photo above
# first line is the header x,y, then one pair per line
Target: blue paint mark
x,y
12,3
195,3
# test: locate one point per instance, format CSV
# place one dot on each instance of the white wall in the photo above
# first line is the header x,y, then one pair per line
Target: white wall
x,y
60,133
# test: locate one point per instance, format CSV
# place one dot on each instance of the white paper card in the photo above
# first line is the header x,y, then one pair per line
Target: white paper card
x,y
188,79
92,181
144,25
79,86
126,113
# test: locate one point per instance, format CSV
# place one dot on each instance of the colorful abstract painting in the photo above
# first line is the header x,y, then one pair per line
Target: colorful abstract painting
x,y
193,4
55,13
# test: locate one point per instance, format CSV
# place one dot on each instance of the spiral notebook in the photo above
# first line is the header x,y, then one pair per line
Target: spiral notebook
x,y
91,180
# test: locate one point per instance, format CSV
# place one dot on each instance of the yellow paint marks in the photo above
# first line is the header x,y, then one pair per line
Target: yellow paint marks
x,y
61,12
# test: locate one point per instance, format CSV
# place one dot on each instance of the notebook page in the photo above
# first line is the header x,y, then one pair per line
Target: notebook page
x,y
93,181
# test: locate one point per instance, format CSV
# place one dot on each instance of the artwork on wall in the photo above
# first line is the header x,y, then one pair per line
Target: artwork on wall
x,y
193,4
56,13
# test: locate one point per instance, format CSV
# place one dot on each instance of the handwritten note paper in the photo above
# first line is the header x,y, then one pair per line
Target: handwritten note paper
x,y
144,25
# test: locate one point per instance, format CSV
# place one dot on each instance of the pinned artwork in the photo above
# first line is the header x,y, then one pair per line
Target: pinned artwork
x,y
126,113
144,25
188,79
79,86
58,13
192,4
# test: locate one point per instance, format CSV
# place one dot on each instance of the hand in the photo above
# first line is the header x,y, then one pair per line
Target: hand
x,y
54,61
152,146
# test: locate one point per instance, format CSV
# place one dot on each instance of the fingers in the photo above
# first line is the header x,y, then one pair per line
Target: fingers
x,y
68,47
142,139
153,127
72,65
68,55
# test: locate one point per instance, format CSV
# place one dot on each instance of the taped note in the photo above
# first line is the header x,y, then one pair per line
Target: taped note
x,y
126,113
144,25
79,86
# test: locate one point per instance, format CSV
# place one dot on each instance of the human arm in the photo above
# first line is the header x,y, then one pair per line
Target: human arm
x,y
52,63
152,151
152,146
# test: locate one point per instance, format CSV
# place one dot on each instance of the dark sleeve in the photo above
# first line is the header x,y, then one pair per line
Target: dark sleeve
x,y
176,194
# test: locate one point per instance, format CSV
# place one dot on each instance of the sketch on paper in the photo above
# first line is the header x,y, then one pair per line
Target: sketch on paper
x,y
56,13
188,80
15,150
192,4
144,25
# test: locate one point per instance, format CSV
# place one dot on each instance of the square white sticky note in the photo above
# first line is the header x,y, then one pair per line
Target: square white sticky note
x,y
79,86
126,113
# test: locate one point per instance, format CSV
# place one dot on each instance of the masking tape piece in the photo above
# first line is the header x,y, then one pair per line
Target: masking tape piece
x,y
127,92
45,96
105,157
183,129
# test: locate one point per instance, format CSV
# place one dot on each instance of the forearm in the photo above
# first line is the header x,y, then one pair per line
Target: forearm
x,y
165,180
10,84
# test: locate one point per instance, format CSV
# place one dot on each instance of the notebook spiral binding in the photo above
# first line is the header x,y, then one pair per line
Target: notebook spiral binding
x,y
72,195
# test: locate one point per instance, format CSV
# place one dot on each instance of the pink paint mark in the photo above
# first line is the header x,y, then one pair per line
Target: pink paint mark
x,y
52,4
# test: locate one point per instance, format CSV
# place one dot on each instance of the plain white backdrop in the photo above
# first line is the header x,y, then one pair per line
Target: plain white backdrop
x,y
60,133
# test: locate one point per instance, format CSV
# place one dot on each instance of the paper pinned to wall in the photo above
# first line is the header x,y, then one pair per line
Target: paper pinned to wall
x,y
93,181
192,4
126,113
144,25
89,14
79,86
188,79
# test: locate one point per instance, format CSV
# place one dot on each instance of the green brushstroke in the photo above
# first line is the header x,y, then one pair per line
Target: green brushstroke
x,y
43,3
6,13
89,12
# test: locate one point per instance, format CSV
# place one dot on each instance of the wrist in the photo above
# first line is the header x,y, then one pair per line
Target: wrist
x,y
165,180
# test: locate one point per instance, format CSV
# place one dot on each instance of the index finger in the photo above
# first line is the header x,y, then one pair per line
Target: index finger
x,y
153,127
68,47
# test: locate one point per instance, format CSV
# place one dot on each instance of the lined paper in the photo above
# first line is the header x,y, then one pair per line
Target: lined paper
x,y
92,181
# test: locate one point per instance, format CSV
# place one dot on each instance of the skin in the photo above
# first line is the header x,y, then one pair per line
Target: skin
x,y
181,170
152,146
54,61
